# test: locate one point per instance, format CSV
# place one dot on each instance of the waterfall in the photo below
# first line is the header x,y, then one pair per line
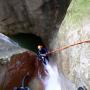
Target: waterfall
x,y
9,41
56,80
8,47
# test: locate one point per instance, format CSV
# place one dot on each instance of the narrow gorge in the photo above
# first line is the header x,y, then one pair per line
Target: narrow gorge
x,y
24,24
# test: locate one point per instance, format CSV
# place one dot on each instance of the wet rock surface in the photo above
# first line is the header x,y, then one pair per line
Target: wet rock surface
x,y
40,17
12,73
75,61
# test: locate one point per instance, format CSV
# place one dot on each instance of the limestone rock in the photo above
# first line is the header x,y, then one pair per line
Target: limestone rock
x,y
40,17
75,61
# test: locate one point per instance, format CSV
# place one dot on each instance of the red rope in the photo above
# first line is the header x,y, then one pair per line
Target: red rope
x,y
68,46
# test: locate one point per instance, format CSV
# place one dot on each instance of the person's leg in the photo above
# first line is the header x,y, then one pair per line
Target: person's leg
x,y
44,60
47,58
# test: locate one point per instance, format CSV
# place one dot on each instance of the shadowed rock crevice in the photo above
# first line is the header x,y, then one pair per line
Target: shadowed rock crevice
x,y
28,41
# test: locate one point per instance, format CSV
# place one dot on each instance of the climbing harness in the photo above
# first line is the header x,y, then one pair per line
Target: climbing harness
x,y
68,46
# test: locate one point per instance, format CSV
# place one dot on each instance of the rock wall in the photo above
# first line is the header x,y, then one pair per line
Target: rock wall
x,y
40,17
74,62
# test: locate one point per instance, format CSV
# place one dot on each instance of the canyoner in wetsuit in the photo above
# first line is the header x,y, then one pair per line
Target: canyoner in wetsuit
x,y
42,54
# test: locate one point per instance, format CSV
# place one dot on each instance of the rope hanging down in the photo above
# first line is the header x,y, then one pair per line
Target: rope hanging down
x,y
68,46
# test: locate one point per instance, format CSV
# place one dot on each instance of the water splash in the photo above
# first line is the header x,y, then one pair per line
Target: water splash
x,y
8,47
9,41
56,81
52,81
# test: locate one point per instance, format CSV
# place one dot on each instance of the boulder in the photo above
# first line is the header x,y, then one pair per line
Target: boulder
x,y
12,74
75,61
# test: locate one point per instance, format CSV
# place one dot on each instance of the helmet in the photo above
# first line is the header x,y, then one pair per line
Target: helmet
x,y
39,46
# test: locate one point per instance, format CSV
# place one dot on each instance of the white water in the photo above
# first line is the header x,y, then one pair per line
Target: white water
x,y
56,81
9,41
52,81
8,47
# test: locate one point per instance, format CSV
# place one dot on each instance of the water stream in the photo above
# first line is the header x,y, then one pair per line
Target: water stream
x,y
56,80
8,47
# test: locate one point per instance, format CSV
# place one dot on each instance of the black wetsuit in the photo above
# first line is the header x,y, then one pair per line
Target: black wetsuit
x,y
42,54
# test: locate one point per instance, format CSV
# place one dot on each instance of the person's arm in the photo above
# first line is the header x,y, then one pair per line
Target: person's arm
x,y
43,54
46,50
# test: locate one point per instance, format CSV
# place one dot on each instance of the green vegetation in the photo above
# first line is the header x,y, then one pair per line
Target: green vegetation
x,y
77,10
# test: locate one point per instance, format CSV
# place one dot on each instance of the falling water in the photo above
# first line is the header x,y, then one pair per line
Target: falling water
x,y
8,40
52,81
56,81
8,47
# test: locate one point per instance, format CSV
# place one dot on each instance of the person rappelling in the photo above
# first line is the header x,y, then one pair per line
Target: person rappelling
x,y
42,54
